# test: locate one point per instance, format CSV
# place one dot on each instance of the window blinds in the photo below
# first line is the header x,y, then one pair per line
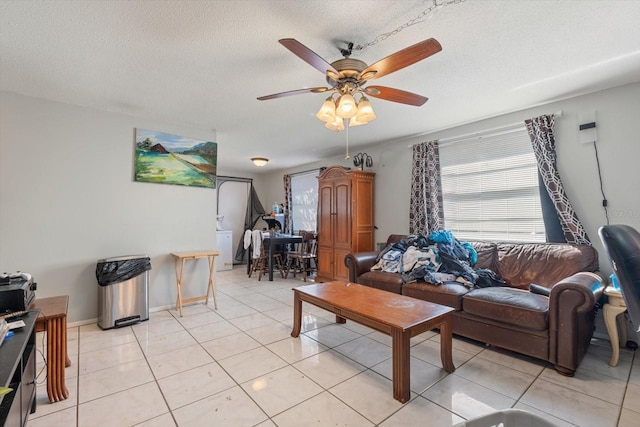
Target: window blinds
x,y
304,200
490,188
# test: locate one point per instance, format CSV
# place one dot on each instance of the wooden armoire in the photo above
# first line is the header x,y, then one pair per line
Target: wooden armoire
x,y
345,219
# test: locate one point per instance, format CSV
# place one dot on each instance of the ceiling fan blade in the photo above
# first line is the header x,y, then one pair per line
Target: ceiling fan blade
x,y
307,55
293,92
395,95
401,59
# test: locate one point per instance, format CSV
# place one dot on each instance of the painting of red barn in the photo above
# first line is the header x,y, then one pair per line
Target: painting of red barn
x,y
163,158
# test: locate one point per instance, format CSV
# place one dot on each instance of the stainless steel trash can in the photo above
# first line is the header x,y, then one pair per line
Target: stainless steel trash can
x,y
123,294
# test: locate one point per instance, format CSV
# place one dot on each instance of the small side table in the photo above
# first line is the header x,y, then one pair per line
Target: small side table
x,y
179,260
53,320
612,310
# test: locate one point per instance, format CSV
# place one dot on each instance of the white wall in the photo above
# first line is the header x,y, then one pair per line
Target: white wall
x,y
68,198
617,115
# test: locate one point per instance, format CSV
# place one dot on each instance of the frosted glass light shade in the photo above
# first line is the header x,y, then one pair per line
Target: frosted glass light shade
x,y
346,106
336,125
259,161
353,121
365,111
327,112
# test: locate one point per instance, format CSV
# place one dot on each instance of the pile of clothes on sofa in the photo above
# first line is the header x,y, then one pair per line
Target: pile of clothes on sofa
x,y
436,258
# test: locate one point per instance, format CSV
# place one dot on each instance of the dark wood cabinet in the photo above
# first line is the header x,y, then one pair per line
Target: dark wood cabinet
x,y
345,219
18,371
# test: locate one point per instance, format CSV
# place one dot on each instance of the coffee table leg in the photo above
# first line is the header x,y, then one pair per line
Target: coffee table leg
x,y
297,315
401,365
446,354
340,319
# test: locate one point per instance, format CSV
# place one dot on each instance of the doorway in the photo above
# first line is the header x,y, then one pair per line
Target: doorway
x,y
233,194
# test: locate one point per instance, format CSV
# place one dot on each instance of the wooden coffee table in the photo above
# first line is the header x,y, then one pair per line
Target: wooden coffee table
x,y
396,315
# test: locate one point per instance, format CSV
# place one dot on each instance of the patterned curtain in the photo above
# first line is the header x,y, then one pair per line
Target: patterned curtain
x,y
426,213
288,217
544,146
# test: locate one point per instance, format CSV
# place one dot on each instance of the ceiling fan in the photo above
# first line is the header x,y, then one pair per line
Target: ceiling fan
x,y
347,78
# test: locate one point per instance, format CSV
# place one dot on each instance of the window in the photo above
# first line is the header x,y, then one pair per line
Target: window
x,y
490,188
304,200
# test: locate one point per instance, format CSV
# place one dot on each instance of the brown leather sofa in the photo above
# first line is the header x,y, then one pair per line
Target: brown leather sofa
x,y
556,328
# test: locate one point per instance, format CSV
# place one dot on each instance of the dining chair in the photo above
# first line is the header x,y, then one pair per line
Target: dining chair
x,y
260,263
622,244
303,259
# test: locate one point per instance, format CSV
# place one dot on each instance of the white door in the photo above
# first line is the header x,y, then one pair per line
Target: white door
x,y
232,204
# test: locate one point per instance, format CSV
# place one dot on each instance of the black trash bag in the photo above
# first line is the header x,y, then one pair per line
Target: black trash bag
x,y
110,272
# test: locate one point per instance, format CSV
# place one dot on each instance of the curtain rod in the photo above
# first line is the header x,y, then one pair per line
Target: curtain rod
x,y
233,178
486,132
307,171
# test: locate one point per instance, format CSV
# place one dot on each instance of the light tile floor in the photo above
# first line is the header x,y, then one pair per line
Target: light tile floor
x,y
238,366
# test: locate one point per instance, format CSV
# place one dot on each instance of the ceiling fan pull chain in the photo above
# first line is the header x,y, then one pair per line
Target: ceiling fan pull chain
x,y
434,5
346,156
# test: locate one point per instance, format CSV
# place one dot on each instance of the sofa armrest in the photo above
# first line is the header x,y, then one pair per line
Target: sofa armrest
x,y
572,309
359,263
579,292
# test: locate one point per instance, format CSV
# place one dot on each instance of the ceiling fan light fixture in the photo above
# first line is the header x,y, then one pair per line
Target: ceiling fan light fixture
x,y
347,76
259,161
365,111
337,124
346,106
353,121
327,112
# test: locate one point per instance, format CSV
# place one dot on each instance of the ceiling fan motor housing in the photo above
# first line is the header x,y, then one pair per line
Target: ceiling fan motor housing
x,y
348,67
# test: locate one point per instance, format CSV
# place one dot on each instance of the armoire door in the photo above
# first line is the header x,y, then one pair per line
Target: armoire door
x,y
325,230
341,228
342,215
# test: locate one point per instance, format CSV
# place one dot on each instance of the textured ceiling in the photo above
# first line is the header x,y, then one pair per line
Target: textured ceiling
x,y
203,63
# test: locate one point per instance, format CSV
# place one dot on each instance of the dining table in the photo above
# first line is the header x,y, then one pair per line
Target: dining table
x,y
271,242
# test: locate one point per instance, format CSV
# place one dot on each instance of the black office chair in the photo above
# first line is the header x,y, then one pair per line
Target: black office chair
x,y
622,244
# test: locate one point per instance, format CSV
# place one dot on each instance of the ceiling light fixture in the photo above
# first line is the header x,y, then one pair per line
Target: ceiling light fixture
x,y
259,161
334,111
347,76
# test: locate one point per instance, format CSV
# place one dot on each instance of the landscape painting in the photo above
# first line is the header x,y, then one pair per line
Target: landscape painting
x,y
163,158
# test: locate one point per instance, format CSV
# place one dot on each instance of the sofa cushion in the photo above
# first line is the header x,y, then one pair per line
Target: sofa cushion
x,y
521,264
448,293
513,306
390,282
487,254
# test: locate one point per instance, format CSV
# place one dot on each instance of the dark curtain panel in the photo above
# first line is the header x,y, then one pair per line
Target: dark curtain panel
x,y
288,203
540,131
253,214
426,212
552,228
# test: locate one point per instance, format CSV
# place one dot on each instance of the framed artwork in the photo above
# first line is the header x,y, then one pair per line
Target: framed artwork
x,y
162,158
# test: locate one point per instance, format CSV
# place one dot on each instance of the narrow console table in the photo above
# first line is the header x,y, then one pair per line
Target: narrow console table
x,y
53,320
179,260
18,372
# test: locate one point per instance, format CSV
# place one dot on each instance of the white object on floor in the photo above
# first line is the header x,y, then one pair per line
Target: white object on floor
x,y
224,243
